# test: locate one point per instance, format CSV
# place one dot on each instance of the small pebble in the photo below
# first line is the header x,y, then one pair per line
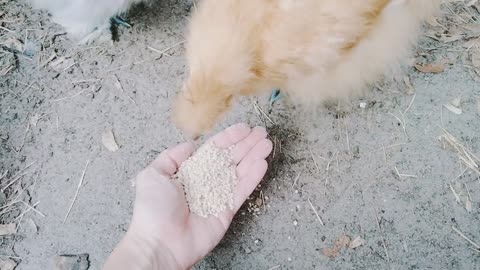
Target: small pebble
x,y
7,264
72,262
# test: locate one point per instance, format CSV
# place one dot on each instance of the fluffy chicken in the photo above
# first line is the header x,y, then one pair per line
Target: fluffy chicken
x,y
85,20
313,50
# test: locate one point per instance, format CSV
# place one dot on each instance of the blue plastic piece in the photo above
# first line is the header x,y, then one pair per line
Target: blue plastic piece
x,y
120,21
276,95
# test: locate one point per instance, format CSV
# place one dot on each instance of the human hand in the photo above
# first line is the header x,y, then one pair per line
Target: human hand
x,y
162,222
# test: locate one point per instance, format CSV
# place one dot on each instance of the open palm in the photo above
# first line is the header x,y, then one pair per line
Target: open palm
x,y
161,215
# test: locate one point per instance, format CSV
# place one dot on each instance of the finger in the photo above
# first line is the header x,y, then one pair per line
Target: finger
x,y
231,135
260,151
169,161
242,148
249,182
246,185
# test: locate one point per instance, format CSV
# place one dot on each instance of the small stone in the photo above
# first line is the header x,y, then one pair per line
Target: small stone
x,y
478,105
363,105
108,140
7,229
289,259
295,223
248,250
258,202
356,152
7,264
3,199
72,262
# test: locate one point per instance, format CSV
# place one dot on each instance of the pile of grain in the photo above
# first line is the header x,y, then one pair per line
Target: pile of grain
x,y
208,178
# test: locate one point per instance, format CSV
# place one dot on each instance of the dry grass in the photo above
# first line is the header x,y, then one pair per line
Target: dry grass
x,y
465,155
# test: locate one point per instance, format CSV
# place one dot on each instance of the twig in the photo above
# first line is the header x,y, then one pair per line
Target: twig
x,y
119,86
260,111
6,29
455,194
330,161
460,175
27,209
314,161
17,176
76,192
75,95
411,103
296,179
384,243
346,132
316,213
466,238
402,175
32,207
162,52
402,122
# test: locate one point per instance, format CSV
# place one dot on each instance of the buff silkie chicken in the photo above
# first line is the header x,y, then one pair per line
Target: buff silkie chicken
x,y
86,20
313,50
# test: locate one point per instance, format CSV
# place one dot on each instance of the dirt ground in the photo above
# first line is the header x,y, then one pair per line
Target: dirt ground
x,y
386,182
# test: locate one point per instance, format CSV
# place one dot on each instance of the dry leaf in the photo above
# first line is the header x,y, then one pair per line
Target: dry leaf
x,y
342,242
7,264
7,229
108,140
357,242
431,68
14,44
433,21
457,102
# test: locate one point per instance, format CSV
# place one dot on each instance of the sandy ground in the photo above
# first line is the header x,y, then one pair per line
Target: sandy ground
x,y
382,174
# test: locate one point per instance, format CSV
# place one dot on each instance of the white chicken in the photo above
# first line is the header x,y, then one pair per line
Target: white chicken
x,y
85,20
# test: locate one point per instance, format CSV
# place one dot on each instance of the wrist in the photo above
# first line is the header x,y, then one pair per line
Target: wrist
x,y
136,253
